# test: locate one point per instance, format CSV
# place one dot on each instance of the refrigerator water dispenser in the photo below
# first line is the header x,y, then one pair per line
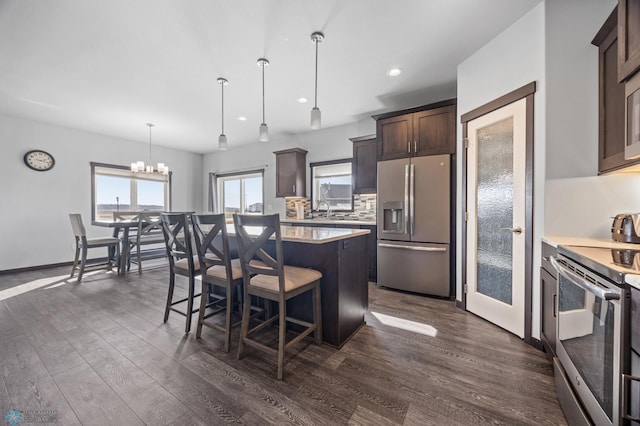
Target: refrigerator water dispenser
x,y
392,216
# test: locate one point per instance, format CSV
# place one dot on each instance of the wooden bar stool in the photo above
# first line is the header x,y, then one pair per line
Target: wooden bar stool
x,y
274,281
177,237
216,269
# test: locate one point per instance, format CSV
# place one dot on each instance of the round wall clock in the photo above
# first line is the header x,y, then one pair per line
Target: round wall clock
x,y
39,160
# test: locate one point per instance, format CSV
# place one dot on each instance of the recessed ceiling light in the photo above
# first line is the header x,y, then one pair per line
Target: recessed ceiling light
x,y
303,100
393,72
242,118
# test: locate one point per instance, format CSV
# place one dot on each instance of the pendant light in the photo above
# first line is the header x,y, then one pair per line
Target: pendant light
x,y
139,166
264,129
316,38
222,139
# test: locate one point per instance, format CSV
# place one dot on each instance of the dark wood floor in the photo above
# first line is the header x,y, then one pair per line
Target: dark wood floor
x,y
98,353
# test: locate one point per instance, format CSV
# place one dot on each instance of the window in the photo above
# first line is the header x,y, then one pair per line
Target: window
x,y
240,193
116,188
331,182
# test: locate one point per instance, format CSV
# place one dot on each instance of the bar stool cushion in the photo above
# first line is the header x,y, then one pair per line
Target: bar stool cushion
x,y
294,277
184,264
220,271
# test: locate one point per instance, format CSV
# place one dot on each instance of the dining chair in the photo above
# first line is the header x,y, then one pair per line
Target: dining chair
x,y
182,261
127,234
83,244
147,238
272,280
216,269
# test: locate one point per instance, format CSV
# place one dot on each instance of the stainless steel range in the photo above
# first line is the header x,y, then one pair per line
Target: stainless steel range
x,y
594,332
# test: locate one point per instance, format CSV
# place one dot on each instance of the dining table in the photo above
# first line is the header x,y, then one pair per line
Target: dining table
x,y
117,226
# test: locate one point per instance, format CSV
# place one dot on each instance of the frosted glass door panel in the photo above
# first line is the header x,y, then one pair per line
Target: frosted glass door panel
x,y
495,210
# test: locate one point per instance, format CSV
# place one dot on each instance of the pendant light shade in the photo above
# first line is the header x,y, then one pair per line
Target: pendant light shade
x,y
264,129
316,38
222,142
222,139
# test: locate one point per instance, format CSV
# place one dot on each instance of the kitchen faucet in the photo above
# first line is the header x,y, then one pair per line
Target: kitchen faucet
x,y
320,202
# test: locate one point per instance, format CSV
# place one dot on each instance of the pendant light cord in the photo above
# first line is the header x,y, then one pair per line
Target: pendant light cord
x,y
316,88
263,65
150,126
222,87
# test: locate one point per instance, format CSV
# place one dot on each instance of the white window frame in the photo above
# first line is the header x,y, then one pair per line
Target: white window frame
x,y
125,172
318,165
241,176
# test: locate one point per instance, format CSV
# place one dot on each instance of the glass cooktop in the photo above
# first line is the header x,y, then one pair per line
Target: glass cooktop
x,y
612,263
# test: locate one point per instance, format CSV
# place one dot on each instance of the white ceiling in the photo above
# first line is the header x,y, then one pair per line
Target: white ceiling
x,y
111,66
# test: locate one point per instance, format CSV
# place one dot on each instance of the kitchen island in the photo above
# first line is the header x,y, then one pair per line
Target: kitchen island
x,y
341,255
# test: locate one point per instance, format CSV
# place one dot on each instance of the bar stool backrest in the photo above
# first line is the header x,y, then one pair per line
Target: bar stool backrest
x,y
177,237
253,246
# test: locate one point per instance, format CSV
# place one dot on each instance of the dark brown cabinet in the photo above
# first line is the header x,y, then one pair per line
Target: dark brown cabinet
x,y
549,300
372,251
291,177
372,239
611,100
364,167
426,130
628,38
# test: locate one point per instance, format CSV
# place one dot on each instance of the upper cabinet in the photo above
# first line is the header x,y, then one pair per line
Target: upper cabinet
x,y
426,130
611,113
291,177
365,171
628,38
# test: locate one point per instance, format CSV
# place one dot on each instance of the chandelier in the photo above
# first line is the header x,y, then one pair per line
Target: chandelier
x,y
139,166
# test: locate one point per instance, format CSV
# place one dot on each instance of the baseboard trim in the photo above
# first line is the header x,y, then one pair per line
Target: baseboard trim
x,y
51,265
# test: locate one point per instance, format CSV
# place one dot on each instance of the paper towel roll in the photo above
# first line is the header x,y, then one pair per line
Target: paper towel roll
x,y
299,211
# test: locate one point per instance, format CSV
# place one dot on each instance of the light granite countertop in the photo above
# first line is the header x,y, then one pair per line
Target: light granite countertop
x,y
311,235
324,220
556,241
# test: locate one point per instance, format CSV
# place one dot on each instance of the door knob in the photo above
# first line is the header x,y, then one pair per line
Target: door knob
x,y
516,230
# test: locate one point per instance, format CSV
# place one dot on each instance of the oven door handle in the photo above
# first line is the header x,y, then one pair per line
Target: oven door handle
x,y
582,283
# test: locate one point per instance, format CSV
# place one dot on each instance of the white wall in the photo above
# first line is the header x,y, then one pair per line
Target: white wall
x,y
551,45
324,144
36,205
513,59
572,127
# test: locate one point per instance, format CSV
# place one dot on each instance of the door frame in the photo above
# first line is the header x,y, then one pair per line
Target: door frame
x,y
527,92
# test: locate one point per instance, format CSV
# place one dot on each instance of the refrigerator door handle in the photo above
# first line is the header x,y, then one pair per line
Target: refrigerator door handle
x,y
416,248
407,189
412,191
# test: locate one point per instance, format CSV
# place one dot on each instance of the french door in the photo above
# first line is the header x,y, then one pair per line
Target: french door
x,y
496,216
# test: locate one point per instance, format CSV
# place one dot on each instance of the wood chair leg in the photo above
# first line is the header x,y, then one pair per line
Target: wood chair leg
x,y
75,260
244,327
227,325
83,262
282,333
172,282
203,306
317,314
139,261
187,326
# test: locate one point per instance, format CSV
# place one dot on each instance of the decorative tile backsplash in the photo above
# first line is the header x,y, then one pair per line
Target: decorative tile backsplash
x,y
364,207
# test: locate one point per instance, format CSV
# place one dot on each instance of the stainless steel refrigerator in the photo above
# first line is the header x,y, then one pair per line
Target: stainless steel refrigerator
x,y
414,198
